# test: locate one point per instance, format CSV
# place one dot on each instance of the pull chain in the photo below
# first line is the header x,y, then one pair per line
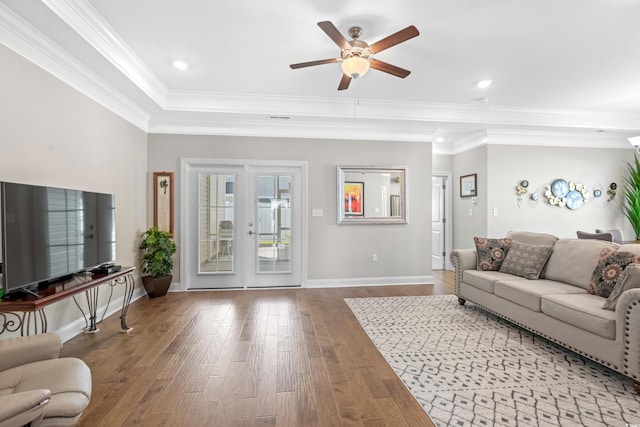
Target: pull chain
x,y
356,97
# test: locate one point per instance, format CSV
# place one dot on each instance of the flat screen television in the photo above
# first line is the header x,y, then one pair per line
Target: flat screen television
x,y
50,233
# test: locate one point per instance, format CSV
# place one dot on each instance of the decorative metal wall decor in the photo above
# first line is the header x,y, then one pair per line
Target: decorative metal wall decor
x,y
562,193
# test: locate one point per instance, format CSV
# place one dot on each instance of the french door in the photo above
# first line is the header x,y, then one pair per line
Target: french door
x,y
242,224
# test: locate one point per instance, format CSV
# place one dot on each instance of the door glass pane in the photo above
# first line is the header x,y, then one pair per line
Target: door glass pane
x,y
274,223
215,223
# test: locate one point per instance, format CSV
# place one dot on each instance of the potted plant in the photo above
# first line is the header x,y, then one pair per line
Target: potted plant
x,y
157,251
632,196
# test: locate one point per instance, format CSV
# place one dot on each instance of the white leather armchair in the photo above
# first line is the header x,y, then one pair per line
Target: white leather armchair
x,y
38,388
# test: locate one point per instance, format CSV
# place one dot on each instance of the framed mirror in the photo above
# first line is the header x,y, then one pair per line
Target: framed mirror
x,y
372,195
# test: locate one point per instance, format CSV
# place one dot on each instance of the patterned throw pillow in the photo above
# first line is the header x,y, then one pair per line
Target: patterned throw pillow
x,y
629,279
490,253
526,260
608,270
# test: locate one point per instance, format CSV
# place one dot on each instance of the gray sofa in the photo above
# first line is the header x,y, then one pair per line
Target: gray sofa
x,y
557,305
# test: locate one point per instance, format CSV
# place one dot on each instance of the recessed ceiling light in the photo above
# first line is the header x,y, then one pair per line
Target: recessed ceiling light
x,y
439,139
180,65
483,84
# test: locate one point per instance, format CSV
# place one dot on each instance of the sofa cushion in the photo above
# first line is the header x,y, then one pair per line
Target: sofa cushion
x,y
483,280
608,270
490,253
69,380
532,238
629,279
526,260
630,247
528,293
573,260
583,311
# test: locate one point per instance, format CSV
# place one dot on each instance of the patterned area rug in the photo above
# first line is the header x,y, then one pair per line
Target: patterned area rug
x,y
467,367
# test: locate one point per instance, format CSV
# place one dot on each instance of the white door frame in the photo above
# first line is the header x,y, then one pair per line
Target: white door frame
x,y
448,210
186,164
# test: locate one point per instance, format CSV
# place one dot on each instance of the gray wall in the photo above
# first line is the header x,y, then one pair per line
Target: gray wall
x,y
469,219
442,162
509,165
501,168
55,136
334,251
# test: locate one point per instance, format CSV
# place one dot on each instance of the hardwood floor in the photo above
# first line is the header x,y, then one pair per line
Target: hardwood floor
x,y
291,357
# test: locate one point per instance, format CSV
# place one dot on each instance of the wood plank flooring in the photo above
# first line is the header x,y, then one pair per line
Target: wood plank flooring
x,y
285,357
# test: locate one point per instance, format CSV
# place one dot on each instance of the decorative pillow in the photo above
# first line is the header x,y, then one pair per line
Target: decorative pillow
x,y
490,253
526,260
608,270
629,279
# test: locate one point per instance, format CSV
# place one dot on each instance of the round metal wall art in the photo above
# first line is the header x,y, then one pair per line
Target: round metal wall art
x,y
570,194
559,188
597,190
574,199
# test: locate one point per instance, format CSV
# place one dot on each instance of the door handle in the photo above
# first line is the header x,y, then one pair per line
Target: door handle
x,y
251,232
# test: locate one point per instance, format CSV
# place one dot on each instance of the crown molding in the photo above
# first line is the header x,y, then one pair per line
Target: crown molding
x,y
490,116
22,38
215,113
533,137
573,139
90,25
295,128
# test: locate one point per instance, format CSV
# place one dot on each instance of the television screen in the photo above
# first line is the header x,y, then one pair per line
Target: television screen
x,y
50,233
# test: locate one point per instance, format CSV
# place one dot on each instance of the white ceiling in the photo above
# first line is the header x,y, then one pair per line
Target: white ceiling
x,y
565,72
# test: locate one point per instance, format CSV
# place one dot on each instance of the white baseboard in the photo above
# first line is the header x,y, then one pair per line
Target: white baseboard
x,y
76,327
370,281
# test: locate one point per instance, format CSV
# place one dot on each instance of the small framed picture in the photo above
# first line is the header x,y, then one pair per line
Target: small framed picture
x,y
163,201
354,199
468,185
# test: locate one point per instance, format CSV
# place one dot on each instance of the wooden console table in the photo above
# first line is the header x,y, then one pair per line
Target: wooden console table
x,y
26,314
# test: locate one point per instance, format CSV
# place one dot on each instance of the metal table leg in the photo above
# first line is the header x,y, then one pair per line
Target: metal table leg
x,y
129,285
26,322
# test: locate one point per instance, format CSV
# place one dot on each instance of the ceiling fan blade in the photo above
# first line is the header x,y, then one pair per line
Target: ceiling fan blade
x,y
344,82
312,63
388,68
394,39
335,34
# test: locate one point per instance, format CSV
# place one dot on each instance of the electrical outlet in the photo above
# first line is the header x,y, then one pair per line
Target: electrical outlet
x,y
470,212
374,257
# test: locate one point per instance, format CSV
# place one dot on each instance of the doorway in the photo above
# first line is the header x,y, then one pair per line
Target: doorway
x,y
243,224
441,226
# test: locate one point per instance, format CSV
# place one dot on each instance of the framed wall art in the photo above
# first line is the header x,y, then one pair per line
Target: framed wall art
x,y
354,198
468,185
163,201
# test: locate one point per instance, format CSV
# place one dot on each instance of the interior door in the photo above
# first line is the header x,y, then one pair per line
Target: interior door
x,y
242,226
438,222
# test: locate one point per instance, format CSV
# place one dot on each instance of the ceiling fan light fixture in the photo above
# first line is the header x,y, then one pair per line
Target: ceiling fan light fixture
x,y
355,66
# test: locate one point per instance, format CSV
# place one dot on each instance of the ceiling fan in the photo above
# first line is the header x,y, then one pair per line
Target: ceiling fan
x,y
357,56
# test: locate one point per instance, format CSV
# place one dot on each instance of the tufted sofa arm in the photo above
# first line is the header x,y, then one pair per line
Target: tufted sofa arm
x,y
628,321
33,348
462,259
25,408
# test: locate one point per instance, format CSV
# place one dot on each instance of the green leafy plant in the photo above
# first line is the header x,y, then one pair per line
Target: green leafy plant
x,y
157,251
632,196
